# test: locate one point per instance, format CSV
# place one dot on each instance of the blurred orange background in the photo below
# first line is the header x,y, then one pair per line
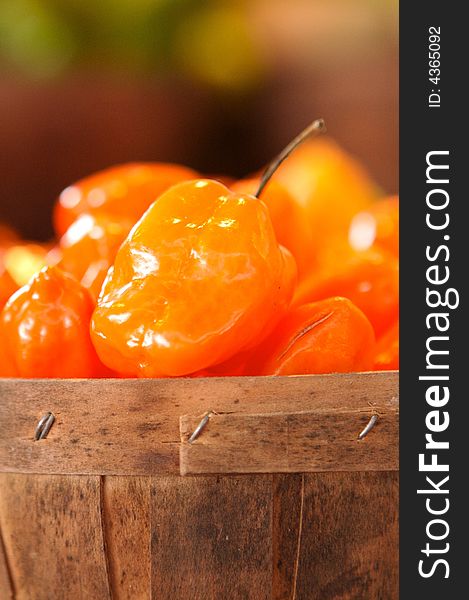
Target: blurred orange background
x,y
220,86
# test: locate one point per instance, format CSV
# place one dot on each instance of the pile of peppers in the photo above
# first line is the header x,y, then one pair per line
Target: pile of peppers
x,y
158,271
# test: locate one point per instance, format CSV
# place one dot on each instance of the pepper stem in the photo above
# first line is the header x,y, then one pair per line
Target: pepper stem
x,y
315,128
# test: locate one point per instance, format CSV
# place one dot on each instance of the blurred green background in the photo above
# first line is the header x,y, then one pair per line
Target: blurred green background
x,y
218,85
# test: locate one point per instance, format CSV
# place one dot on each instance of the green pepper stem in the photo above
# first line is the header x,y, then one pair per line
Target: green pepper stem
x,y
315,128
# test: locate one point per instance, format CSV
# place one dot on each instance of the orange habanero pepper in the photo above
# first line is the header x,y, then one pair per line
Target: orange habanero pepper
x,y
330,336
122,191
200,278
329,185
45,329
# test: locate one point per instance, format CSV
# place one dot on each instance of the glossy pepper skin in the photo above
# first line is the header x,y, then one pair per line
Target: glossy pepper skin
x,y
123,191
45,329
288,219
329,185
330,336
387,350
370,279
200,278
89,246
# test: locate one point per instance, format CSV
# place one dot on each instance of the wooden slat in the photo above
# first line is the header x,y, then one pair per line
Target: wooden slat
x,y
286,519
348,546
212,538
6,584
131,427
126,514
290,443
52,533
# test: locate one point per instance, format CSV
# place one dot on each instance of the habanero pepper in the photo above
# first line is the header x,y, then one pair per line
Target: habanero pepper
x,y
200,278
45,329
123,191
329,185
330,336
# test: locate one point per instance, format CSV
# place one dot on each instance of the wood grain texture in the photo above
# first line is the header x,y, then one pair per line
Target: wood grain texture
x,y
286,520
212,538
349,537
126,514
131,427
6,584
52,533
291,443
321,536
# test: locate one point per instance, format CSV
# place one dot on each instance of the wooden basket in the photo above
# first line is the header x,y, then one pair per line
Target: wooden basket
x,y
276,498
